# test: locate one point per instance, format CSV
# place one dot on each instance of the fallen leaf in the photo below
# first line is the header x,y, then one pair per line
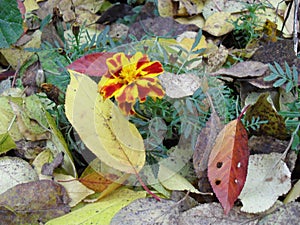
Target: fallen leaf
x,y
203,147
166,8
216,58
147,211
247,69
265,110
228,162
215,6
193,7
212,213
102,211
268,178
15,171
23,55
285,214
76,190
93,64
173,181
95,121
10,23
179,85
33,203
293,194
217,24
6,143
159,26
98,176
48,168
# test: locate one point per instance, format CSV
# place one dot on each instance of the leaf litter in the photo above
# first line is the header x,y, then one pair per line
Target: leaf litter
x,y
251,76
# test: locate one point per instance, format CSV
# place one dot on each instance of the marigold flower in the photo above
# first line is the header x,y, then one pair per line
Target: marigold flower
x,y
131,78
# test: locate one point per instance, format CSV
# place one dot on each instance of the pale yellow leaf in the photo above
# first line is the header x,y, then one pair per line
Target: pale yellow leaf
x,y
180,85
268,178
94,118
76,190
30,5
173,181
102,211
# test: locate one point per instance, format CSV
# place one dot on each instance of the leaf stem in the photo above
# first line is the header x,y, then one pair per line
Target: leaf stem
x,y
243,112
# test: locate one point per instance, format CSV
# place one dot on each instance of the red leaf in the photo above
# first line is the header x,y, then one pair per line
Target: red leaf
x,y
93,64
228,163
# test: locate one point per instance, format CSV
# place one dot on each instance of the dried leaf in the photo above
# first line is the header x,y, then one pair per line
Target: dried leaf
x,y
181,85
203,147
15,171
265,110
32,202
228,161
148,211
268,178
285,214
76,190
217,24
247,69
212,213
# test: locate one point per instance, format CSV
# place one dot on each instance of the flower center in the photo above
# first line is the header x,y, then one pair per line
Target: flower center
x,y
128,73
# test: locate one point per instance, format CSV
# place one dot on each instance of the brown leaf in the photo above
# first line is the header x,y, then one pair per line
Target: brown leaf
x,y
48,168
203,147
286,214
33,202
148,211
212,213
247,69
265,111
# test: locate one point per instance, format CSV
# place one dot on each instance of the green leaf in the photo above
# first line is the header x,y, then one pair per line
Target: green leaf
x,y
288,71
10,23
279,82
271,77
6,143
289,86
279,69
295,75
197,39
273,70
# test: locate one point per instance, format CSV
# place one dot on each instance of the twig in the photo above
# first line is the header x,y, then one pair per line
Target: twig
x,y
295,27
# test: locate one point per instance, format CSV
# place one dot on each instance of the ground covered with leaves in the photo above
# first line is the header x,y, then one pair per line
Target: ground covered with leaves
x,y
149,112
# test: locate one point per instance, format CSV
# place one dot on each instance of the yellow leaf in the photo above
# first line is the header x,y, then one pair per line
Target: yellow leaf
x,y
197,20
30,5
103,210
11,53
95,121
76,190
217,24
165,8
173,181
187,39
293,194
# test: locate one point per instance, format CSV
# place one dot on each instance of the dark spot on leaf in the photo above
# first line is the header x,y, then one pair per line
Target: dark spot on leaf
x,y
219,164
217,182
